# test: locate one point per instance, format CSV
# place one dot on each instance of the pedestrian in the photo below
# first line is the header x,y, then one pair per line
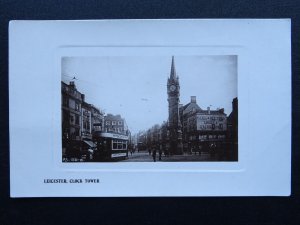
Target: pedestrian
x,y
166,151
159,153
154,154
192,150
200,149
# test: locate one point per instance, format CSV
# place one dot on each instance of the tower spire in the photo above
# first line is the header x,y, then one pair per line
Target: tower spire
x,y
173,71
174,124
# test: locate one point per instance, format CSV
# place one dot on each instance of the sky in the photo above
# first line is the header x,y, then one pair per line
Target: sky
x,y
136,87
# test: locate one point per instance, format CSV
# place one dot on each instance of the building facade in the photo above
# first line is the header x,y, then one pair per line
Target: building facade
x,y
79,120
86,126
232,131
92,120
115,124
202,129
71,118
97,119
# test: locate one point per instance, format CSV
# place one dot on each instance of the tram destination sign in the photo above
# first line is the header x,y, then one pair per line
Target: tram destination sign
x,y
112,135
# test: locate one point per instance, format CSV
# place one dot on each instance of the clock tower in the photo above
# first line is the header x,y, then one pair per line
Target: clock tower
x,y
174,124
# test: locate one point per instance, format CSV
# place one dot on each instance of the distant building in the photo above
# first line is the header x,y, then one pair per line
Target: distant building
x,y
164,138
115,124
142,140
202,127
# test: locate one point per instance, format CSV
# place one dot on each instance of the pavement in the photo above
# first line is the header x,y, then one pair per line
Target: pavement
x,y
145,157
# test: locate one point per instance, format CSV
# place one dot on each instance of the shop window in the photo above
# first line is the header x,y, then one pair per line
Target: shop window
x,y
120,145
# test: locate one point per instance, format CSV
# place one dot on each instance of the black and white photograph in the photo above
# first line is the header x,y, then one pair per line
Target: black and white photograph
x,y
149,109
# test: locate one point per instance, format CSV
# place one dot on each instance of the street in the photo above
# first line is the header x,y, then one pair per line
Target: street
x,y
145,157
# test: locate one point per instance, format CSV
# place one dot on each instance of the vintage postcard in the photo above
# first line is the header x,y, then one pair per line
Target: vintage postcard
x,y
150,108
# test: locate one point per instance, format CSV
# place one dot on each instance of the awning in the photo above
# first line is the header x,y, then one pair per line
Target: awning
x,y
90,143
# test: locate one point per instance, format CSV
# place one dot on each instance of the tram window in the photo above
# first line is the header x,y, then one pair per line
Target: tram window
x,y
119,145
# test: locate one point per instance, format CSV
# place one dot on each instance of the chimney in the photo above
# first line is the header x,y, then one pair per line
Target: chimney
x,y
83,97
193,99
208,110
72,84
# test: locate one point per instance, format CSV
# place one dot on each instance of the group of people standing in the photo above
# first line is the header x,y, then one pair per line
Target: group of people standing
x,y
154,150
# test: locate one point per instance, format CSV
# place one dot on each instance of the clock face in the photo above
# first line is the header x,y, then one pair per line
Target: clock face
x,y
173,88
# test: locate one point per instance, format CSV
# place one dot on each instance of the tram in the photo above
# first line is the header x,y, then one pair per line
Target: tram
x,y
110,146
